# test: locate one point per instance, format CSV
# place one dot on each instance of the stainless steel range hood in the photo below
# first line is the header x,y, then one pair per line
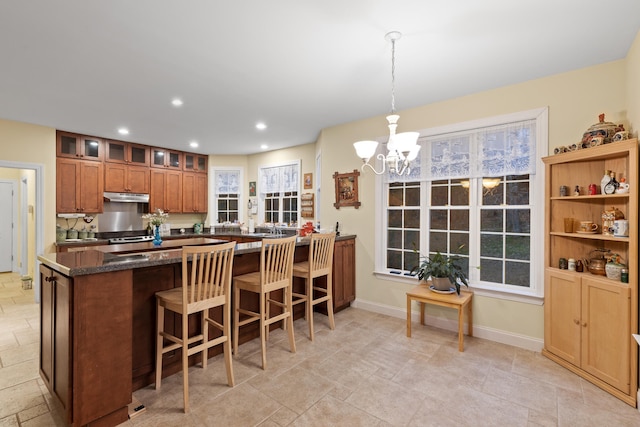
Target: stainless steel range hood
x,y
126,197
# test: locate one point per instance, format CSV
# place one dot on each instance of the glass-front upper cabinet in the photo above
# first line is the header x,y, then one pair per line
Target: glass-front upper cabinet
x,y
126,152
79,146
163,158
195,162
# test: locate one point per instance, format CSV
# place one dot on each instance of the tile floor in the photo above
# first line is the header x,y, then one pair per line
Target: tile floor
x,y
365,373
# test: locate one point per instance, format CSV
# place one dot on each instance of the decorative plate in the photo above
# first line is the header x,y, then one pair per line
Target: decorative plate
x,y
450,291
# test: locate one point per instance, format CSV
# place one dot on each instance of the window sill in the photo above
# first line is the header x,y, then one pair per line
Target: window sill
x,y
526,298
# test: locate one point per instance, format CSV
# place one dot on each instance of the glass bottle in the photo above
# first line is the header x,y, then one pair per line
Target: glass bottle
x,y
605,180
149,230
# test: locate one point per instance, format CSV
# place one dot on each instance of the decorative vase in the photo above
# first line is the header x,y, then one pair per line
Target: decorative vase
x,y
157,239
600,133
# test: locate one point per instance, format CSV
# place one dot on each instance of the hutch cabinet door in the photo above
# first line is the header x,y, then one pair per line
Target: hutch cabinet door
x,y
562,315
606,334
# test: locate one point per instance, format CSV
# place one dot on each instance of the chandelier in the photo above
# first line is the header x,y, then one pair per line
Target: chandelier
x,y
402,147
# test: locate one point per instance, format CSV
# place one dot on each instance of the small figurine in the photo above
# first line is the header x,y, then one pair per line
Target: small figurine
x,y
576,191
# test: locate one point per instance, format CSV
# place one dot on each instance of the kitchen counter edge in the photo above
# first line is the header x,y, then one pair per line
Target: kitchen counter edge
x,y
94,261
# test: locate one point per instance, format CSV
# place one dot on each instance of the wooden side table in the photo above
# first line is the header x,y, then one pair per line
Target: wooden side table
x,y
424,295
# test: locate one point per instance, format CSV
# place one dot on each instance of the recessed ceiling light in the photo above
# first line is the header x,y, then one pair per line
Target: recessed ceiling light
x,y
123,131
261,126
176,102
193,144
264,146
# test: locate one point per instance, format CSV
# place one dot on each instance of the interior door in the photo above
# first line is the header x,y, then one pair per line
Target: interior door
x,y
6,226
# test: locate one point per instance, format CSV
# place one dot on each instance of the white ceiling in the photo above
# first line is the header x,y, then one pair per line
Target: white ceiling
x,y
300,66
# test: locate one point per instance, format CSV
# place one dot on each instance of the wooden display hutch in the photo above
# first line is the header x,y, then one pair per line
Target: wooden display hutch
x,y
588,318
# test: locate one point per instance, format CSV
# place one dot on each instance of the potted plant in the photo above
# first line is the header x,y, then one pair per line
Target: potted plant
x,y
443,270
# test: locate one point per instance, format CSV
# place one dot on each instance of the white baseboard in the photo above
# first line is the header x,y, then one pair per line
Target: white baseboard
x,y
479,331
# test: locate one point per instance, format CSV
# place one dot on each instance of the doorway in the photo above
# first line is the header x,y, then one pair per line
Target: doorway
x,y
32,243
8,255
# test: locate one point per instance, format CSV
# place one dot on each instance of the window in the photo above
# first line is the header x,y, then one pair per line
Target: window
x,y
279,190
227,195
457,201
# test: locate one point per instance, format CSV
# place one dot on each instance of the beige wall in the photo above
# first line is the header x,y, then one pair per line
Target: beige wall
x,y
574,99
305,153
33,144
633,85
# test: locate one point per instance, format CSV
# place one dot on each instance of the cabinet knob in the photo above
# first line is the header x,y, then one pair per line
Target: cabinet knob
x,y
584,325
49,279
576,321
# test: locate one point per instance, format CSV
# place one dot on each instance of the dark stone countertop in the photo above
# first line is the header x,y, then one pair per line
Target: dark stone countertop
x,y
175,234
107,258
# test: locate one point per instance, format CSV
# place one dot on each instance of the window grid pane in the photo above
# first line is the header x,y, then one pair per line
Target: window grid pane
x,y
281,205
449,229
403,226
228,208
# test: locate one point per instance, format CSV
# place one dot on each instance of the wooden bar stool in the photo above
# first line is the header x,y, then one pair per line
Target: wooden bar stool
x,y
206,283
276,267
319,263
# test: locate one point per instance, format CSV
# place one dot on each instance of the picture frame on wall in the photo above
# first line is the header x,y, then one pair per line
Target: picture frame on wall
x,y
308,181
252,188
347,189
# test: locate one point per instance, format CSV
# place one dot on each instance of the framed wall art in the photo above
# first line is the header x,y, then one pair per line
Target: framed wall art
x,y
252,188
308,181
346,189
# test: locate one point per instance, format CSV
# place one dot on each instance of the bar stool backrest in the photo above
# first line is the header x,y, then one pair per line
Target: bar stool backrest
x,y
321,253
208,275
276,262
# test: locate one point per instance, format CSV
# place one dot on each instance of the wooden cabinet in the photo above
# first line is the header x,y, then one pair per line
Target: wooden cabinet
x,y
124,178
85,332
344,273
88,166
580,313
195,162
166,191
194,192
589,318
55,345
127,153
148,281
79,146
166,159
79,186
605,348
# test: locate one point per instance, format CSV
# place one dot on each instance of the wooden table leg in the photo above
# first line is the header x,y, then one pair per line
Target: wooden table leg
x,y
422,305
460,329
408,316
470,318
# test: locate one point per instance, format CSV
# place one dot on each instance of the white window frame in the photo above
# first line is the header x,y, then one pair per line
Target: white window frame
x,y
533,294
261,195
213,192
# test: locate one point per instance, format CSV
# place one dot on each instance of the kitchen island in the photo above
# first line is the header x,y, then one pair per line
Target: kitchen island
x,y
98,319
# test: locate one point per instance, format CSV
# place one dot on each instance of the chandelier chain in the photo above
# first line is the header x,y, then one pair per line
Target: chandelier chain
x,y
393,76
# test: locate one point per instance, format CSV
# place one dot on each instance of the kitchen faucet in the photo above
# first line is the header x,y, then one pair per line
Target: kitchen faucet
x,y
276,231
